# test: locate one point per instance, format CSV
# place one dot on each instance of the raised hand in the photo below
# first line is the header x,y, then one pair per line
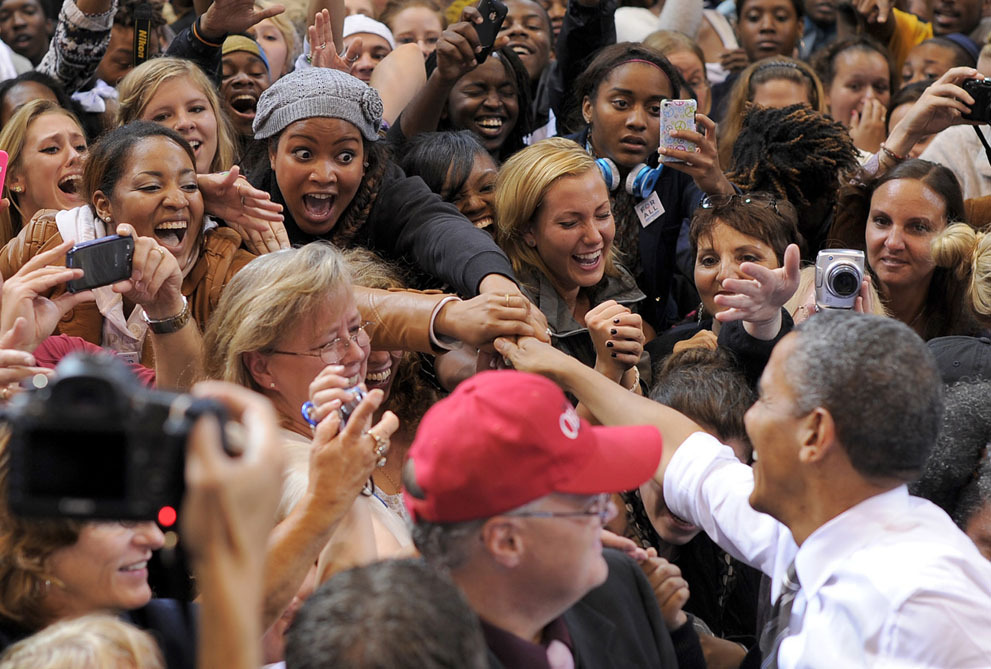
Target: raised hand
x,y
758,300
246,209
323,51
867,127
233,17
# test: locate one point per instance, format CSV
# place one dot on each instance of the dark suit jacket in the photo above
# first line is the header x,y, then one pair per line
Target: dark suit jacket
x,y
618,624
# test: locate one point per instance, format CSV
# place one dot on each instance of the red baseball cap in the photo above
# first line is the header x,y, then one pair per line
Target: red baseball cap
x,y
505,438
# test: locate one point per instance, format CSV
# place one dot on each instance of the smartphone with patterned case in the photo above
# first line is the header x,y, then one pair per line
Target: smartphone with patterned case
x,y
677,115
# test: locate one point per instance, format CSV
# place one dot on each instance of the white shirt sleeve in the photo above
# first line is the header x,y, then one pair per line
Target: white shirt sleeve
x,y
708,486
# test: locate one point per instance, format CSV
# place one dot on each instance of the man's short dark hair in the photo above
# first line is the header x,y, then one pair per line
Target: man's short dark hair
x,y
398,613
880,384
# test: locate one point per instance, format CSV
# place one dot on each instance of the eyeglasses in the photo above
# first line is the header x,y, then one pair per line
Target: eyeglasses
x,y
334,351
720,201
599,506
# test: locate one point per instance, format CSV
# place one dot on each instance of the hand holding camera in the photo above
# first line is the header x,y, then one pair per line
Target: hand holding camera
x,y
29,313
156,280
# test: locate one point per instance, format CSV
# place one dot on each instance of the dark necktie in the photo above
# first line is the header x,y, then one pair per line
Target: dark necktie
x,y
777,627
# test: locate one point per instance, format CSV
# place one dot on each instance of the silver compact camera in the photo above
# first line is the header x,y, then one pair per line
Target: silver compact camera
x,y
839,274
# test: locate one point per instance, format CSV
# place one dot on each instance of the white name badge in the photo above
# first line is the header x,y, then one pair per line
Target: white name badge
x,y
649,210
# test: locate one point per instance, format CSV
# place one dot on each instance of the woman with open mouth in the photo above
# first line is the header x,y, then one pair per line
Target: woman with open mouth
x,y
141,179
46,145
555,222
331,173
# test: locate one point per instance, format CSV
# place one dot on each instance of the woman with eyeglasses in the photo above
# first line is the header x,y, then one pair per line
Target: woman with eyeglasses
x,y
727,232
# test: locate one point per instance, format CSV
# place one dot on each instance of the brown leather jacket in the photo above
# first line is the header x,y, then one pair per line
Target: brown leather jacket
x,y
402,317
219,260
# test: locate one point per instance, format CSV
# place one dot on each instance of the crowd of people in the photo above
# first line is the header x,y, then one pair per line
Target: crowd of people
x,y
517,370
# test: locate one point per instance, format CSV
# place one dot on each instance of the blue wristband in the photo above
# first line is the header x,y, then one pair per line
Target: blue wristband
x,y
307,411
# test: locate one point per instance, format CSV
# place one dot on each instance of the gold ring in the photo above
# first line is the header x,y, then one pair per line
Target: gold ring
x,y
507,301
5,393
160,250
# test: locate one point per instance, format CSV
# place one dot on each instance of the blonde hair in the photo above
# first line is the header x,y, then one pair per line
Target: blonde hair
x,y
139,86
807,279
967,252
284,22
522,184
12,139
769,69
672,41
264,301
95,641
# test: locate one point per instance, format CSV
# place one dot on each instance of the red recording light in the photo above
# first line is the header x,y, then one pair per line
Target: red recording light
x,y
166,516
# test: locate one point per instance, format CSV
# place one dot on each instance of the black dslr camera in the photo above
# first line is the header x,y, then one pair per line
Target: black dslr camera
x,y
980,90
96,444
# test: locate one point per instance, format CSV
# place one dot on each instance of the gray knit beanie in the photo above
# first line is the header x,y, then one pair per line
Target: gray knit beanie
x,y
318,91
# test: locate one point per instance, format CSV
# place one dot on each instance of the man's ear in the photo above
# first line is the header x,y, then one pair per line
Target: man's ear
x,y
503,540
817,436
257,364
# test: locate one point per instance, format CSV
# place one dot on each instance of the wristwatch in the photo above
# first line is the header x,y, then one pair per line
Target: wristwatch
x,y
170,324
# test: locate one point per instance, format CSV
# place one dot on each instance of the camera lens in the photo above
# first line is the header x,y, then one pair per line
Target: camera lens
x,y
844,281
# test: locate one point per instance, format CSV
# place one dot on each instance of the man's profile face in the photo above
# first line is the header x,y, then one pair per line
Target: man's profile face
x,y
563,555
773,430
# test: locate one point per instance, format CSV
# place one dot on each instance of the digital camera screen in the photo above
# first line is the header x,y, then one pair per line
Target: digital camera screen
x,y
77,464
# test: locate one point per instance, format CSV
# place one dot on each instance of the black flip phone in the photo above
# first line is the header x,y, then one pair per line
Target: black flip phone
x,y
493,14
104,261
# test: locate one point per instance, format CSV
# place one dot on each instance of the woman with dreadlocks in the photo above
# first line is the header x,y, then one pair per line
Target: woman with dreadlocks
x,y
620,95
799,155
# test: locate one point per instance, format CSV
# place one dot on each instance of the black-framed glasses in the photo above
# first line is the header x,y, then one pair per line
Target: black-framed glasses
x,y
720,201
599,506
335,350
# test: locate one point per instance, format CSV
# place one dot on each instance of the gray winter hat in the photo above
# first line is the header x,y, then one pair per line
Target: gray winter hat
x,y
318,91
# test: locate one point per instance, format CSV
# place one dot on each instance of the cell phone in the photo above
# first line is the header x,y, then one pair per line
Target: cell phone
x,y
4,158
104,261
493,14
677,115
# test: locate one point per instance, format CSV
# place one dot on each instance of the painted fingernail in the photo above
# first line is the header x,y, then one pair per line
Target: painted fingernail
x,y
608,344
615,320
612,331
613,354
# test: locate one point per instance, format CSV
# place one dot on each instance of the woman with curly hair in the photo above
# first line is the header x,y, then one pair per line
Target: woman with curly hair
x,y
336,182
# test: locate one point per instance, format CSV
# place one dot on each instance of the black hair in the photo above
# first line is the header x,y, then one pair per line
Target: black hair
x,y
906,94
797,4
90,125
126,9
108,157
824,60
524,120
611,57
963,58
443,160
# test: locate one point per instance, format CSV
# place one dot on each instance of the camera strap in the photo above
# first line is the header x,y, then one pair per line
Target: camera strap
x,y
984,141
143,15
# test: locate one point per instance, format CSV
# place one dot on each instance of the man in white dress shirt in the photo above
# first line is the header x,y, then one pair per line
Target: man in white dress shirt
x,y
849,408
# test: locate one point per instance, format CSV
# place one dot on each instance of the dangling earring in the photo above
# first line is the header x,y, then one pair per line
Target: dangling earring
x,y
701,312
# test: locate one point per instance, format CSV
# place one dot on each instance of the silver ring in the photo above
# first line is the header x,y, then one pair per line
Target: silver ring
x,y
381,445
353,59
309,58
322,46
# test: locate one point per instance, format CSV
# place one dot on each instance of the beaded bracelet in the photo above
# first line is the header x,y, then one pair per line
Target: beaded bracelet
x,y
891,154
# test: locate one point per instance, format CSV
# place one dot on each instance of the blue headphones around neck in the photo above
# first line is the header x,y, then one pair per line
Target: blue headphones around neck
x,y
640,181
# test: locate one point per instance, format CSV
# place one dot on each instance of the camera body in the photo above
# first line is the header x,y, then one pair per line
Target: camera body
x,y
95,444
348,408
980,90
839,273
